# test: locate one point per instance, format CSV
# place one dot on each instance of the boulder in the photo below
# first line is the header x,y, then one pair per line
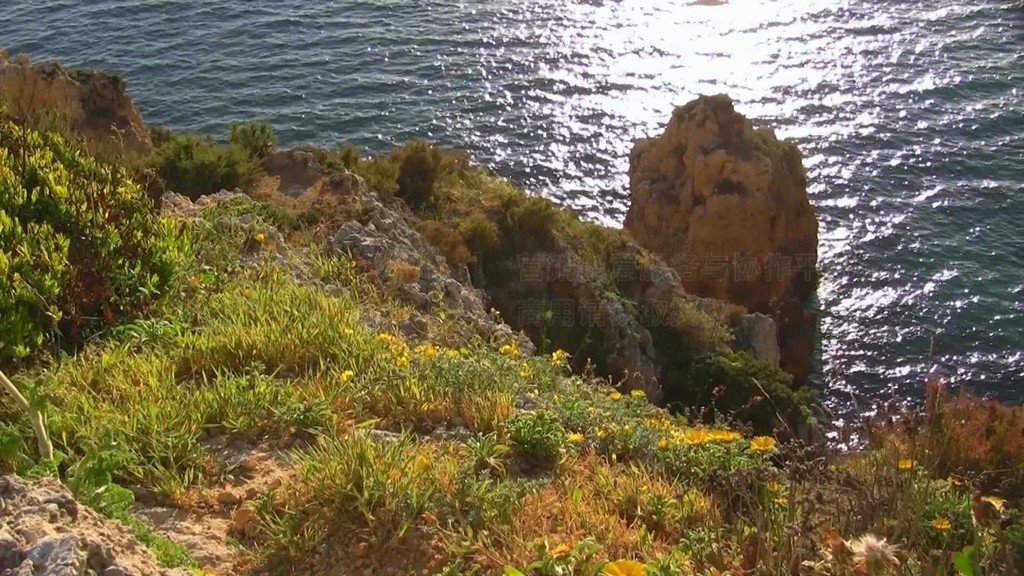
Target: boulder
x,y
725,204
95,103
43,530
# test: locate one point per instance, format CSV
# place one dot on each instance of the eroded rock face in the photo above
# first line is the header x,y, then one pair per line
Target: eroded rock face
x,y
43,530
757,333
95,102
726,205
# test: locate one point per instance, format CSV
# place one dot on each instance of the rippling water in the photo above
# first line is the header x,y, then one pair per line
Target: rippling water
x,y
909,112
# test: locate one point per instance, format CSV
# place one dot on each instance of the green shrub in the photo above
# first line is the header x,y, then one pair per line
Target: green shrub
x,y
418,172
529,224
479,233
538,436
79,244
256,138
195,165
160,136
448,241
341,160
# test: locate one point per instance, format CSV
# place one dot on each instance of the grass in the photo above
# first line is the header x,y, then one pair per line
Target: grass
x,y
450,455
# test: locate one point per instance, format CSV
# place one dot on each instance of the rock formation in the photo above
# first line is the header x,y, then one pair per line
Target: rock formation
x,y
43,530
758,334
94,102
726,205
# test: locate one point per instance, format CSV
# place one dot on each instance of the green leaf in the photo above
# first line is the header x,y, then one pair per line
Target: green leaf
x,y
963,563
510,571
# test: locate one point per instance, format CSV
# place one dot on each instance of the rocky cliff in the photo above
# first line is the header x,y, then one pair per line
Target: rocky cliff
x,y
726,205
94,103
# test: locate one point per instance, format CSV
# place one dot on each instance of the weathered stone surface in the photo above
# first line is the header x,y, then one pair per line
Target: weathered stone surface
x,y
386,242
726,205
297,168
43,530
94,102
758,334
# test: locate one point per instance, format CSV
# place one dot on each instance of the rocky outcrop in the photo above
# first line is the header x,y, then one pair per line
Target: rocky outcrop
x,y
93,102
726,205
758,334
44,530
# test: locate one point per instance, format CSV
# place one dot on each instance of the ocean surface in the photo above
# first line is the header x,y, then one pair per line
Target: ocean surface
x,y
910,115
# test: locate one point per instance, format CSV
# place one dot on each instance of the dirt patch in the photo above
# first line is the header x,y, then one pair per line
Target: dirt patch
x,y
219,518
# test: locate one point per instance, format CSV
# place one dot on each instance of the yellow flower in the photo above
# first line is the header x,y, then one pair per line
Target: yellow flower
x,y
402,361
558,357
762,444
624,568
615,396
508,350
259,237
996,501
663,443
385,338
942,524
774,486
906,464
724,436
560,550
694,436
637,393
348,332
782,500
347,375
427,350
575,437
600,433
525,371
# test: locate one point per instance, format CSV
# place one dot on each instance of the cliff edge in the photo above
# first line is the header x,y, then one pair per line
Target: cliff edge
x,y
95,103
726,205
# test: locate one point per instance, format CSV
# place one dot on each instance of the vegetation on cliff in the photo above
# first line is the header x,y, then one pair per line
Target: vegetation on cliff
x,y
306,415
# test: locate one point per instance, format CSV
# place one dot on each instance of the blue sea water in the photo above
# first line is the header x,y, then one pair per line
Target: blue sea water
x,y
910,115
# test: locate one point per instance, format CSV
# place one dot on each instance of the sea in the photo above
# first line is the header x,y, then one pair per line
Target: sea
x,y
909,114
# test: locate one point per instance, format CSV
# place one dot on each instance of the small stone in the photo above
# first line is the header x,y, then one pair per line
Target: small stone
x,y
228,498
59,554
10,549
33,530
243,521
25,569
114,571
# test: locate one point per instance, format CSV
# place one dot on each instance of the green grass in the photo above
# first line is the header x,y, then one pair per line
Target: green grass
x,y
464,458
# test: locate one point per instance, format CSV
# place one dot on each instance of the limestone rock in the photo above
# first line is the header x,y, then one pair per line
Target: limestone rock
x,y
758,334
297,168
726,205
43,530
94,102
385,240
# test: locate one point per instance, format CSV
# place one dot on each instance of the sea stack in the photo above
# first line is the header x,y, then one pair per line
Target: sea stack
x,y
726,205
